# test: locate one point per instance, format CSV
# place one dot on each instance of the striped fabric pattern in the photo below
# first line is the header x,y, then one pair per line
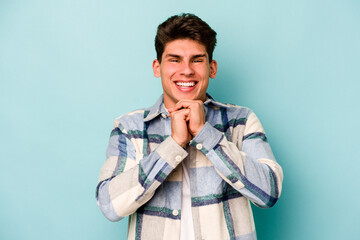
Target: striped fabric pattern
x,y
231,164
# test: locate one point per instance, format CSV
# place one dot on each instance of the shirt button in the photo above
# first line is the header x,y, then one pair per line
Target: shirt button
x,y
198,146
175,212
163,115
178,158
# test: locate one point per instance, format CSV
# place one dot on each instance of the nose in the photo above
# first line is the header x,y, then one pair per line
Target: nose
x,y
187,69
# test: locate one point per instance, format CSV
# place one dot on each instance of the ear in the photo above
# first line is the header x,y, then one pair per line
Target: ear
x,y
213,69
156,68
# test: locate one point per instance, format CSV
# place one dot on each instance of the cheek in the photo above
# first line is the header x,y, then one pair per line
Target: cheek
x,y
204,72
168,71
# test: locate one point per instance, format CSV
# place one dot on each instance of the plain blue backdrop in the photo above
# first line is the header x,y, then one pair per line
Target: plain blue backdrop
x,y
68,68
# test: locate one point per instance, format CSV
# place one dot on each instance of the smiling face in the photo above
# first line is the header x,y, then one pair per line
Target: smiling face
x,y
185,71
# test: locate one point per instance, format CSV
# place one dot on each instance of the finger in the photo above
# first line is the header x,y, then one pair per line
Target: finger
x,y
184,103
176,109
182,112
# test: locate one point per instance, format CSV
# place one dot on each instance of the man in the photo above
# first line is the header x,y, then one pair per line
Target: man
x,y
187,167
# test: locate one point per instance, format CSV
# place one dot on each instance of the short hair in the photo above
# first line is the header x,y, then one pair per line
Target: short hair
x,y
185,26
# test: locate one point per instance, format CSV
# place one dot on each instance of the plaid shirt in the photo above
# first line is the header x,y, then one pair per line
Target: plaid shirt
x,y
231,164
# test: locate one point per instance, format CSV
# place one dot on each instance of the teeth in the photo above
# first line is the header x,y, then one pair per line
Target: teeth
x,y
185,84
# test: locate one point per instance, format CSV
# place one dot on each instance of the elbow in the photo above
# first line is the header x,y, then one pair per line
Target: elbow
x,y
272,201
267,199
108,211
266,204
104,203
274,188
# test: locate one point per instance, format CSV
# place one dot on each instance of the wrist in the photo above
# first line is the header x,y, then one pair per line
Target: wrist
x,y
180,143
197,130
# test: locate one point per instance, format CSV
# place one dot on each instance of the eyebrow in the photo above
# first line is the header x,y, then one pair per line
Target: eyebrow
x,y
199,56
178,56
172,55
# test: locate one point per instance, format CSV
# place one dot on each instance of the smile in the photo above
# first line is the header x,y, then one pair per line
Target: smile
x,y
185,84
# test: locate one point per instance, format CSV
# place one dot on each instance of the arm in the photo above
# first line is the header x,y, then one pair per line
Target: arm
x,y
252,170
127,181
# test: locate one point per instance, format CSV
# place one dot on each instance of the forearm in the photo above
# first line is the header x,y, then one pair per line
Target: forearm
x,y
125,183
252,171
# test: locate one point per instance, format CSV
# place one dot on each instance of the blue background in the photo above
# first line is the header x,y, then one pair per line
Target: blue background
x,y
68,68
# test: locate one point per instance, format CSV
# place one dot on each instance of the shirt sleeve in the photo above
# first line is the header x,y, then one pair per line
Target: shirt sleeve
x,y
246,162
127,181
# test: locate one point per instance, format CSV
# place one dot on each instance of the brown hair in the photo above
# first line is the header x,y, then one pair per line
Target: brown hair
x,y
185,25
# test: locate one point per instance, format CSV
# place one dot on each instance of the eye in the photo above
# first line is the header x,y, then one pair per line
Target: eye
x,y
174,60
198,60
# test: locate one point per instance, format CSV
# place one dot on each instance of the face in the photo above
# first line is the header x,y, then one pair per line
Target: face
x,y
185,71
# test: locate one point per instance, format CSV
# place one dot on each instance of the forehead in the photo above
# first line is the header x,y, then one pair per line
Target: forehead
x,y
184,47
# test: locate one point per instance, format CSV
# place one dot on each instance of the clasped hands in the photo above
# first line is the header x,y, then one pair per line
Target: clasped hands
x,y
187,119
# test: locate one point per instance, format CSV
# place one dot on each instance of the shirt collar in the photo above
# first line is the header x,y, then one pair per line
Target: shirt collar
x,y
211,102
159,107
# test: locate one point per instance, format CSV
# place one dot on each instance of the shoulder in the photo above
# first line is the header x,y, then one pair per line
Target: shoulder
x,y
133,120
240,115
232,111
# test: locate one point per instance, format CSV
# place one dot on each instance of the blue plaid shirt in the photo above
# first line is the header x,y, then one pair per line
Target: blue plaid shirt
x,y
231,164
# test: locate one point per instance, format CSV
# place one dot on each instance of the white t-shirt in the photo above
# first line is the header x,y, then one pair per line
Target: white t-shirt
x,y
187,225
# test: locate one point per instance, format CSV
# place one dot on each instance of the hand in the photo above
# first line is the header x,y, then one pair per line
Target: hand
x,y
195,116
179,128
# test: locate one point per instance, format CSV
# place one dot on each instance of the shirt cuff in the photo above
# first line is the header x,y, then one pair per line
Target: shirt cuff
x,y
207,138
171,152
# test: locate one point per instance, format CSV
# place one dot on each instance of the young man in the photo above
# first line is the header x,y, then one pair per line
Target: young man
x,y
187,167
